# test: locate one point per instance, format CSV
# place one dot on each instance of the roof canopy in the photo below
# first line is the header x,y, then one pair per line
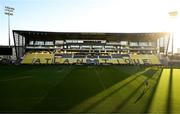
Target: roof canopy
x,y
43,35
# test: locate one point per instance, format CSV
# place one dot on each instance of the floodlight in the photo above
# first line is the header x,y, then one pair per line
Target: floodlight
x,y
9,12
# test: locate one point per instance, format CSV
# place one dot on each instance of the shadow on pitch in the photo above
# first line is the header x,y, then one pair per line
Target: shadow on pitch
x,y
169,98
154,88
80,84
112,93
168,106
141,95
125,101
151,72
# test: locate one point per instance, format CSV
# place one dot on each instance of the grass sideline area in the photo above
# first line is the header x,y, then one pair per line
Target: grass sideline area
x,y
79,88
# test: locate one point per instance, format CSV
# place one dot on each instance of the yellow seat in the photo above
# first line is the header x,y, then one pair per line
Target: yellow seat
x,y
41,57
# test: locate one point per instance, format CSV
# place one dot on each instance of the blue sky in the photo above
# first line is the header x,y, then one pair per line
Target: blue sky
x,y
87,16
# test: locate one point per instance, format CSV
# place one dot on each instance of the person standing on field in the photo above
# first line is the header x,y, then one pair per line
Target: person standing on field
x,y
146,85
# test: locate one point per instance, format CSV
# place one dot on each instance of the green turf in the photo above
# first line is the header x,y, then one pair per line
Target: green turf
x,y
166,98
159,103
175,99
83,89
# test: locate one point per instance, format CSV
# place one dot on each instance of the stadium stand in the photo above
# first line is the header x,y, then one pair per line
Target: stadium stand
x,y
87,48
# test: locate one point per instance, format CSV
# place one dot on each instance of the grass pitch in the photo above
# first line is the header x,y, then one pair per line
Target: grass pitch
x,y
88,89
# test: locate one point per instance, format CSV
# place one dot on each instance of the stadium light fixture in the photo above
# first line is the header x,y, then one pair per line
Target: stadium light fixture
x,y
9,12
173,13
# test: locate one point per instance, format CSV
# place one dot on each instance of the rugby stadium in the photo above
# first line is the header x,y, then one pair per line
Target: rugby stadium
x,y
86,72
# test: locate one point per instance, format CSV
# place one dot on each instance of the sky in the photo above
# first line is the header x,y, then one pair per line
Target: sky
x,y
90,16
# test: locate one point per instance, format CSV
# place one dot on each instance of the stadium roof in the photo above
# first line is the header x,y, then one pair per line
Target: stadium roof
x,y
44,35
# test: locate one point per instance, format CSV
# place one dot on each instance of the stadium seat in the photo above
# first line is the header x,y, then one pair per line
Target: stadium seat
x,y
154,59
38,57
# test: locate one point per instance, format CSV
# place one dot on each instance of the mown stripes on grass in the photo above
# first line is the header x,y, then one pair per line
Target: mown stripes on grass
x,y
159,101
175,103
121,96
88,89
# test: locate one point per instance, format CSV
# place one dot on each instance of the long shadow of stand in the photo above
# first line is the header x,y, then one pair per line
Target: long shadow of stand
x,y
141,95
153,91
169,98
112,93
124,102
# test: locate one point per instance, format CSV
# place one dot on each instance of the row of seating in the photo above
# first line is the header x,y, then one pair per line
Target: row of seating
x,y
153,59
50,58
30,58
